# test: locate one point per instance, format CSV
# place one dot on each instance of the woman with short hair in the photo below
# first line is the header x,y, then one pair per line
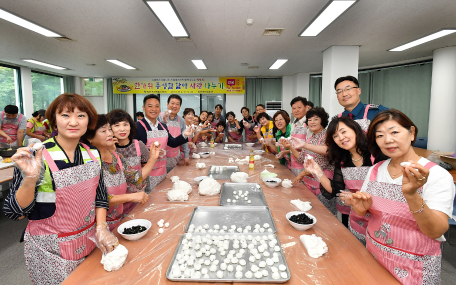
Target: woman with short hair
x,y
248,123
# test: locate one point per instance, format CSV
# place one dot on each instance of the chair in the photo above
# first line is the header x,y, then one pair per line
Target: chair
x,y
421,142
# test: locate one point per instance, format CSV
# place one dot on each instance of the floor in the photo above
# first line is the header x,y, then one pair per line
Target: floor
x,y
14,272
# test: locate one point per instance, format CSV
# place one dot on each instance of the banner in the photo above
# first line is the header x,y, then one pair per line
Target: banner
x,y
185,85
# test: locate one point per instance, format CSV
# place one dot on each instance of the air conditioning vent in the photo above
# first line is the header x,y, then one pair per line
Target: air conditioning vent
x,y
273,105
64,39
272,32
253,67
184,39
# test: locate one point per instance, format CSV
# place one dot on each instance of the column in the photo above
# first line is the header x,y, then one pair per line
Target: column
x,y
337,61
27,95
442,116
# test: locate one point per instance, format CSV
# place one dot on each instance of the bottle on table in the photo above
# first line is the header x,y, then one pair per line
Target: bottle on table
x,y
251,160
211,144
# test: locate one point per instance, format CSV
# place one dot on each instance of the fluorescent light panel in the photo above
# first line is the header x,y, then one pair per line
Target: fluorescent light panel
x,y
199,63
168,16
425,39
44,64
329,14
7,16
278,63
119,63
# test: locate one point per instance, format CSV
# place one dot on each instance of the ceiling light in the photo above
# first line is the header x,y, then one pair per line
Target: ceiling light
x,y
278,63
199,63
330,12
119,63
44,64
10,17
425,39
168,16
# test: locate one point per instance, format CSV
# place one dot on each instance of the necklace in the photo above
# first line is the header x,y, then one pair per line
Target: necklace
x,y
394,175
355,160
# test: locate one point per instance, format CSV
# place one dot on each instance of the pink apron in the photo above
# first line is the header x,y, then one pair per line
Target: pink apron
x,y
394,237
116,185
135,163
232,132
158,173
10,129
364,122
300,133
55,246
215,121
312,183
248,132
173,153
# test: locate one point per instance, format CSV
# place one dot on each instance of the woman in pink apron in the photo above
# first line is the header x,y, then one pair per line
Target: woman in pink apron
x,y
248,123
118,175
282,123
36,128
220,132
67,211
150,130
234,130
408,205
204,134
315,147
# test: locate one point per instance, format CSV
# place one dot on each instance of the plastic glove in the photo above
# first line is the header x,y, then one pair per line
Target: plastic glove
x,y
346,197
246,125
281,154
286,144
189,132
262,141
298,143
256,129
9,140
106,241
162,153
154,151
313,167
29,165
166,115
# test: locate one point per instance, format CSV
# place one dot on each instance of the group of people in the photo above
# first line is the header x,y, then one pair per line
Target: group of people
x,y
96,168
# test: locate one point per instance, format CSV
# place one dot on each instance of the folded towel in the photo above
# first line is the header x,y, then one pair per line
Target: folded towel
x,y
301,205
314,245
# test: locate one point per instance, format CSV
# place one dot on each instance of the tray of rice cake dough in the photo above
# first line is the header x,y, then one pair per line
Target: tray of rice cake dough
x,y
222,172
234,219
229,257
232,146
242,194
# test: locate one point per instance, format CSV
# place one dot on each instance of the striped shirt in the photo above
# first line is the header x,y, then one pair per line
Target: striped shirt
x,y
42,210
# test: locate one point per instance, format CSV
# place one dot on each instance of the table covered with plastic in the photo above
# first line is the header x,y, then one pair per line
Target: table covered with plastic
x,y
346,262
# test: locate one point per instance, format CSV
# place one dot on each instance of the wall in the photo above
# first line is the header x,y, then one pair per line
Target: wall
x,y
27,95
99,102
293,86
235,102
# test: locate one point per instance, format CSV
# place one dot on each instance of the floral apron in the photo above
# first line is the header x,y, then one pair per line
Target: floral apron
x,y
158,173
116,184
55,246
232,131
300,133
364,122
173,153
248,132
394,237
10,129
135,163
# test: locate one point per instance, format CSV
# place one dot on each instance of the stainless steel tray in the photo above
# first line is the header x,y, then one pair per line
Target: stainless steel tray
x,y
239,216
227,276
255,195
233,146
222,171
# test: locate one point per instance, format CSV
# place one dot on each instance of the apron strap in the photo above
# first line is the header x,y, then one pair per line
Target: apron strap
x,y
3,115
118,160
52,166
366,110
429,165
375,171
20,117
142,123
372,159
340,115
89,151
138,151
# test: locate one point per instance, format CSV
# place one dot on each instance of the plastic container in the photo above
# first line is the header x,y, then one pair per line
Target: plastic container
x,y
204,154
249,144
274,184
300,227
136,222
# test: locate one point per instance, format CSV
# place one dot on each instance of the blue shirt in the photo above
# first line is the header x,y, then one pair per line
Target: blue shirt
x,y
358,111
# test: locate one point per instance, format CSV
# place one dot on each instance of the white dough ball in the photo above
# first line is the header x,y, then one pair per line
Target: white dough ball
x,y
284,275
249,202
220,274
269,262
262,264
238,275
206,276
258,275
270,230
187,273
275,259
282,267
275,275
197,266
206,226
161,230
252,258
276,248
223,266
177,273
230,268
261,230
254,268
228,200
213,268
248,274
204,271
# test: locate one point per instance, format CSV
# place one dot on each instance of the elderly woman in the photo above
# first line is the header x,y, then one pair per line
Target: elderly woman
x,y
248,123
315,148
408,201
233,129
265,130
189,116
66,202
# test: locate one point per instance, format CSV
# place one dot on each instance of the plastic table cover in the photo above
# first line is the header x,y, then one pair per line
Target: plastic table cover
x,y
347,260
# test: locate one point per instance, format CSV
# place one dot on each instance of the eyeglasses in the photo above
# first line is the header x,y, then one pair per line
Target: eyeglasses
x,y
346,89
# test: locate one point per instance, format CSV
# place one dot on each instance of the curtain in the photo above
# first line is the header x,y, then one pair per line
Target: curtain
x,y
115,101
260,90
68,84
315,83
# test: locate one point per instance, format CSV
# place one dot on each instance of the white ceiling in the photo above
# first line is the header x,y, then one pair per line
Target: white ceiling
x,y
127,30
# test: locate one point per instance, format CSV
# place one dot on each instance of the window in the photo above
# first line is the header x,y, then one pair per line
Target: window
x,y
45,89
9,87
93,86
209,101
188,101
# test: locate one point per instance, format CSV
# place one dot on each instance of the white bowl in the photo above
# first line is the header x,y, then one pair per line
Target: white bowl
x,y
299,226
204,154
258,151
272,184
249,144
200,178
136,222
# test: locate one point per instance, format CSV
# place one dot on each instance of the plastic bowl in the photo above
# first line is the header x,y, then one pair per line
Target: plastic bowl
x,y
300,227
272,184
268,175
136,222
249,144
204,154
258,151
200,178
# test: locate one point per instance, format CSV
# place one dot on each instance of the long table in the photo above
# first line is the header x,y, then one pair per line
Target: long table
x,y
347,260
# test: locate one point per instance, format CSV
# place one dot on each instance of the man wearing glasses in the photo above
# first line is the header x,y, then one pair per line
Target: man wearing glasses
x,y
348,91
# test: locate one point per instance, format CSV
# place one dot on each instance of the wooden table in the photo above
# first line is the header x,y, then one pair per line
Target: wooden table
x,y
347,261
6,176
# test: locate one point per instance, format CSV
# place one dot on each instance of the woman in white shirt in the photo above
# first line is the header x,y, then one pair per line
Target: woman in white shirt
x,y
408,206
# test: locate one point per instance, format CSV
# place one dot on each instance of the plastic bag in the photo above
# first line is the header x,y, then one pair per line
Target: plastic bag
x,y
434,157
28,166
